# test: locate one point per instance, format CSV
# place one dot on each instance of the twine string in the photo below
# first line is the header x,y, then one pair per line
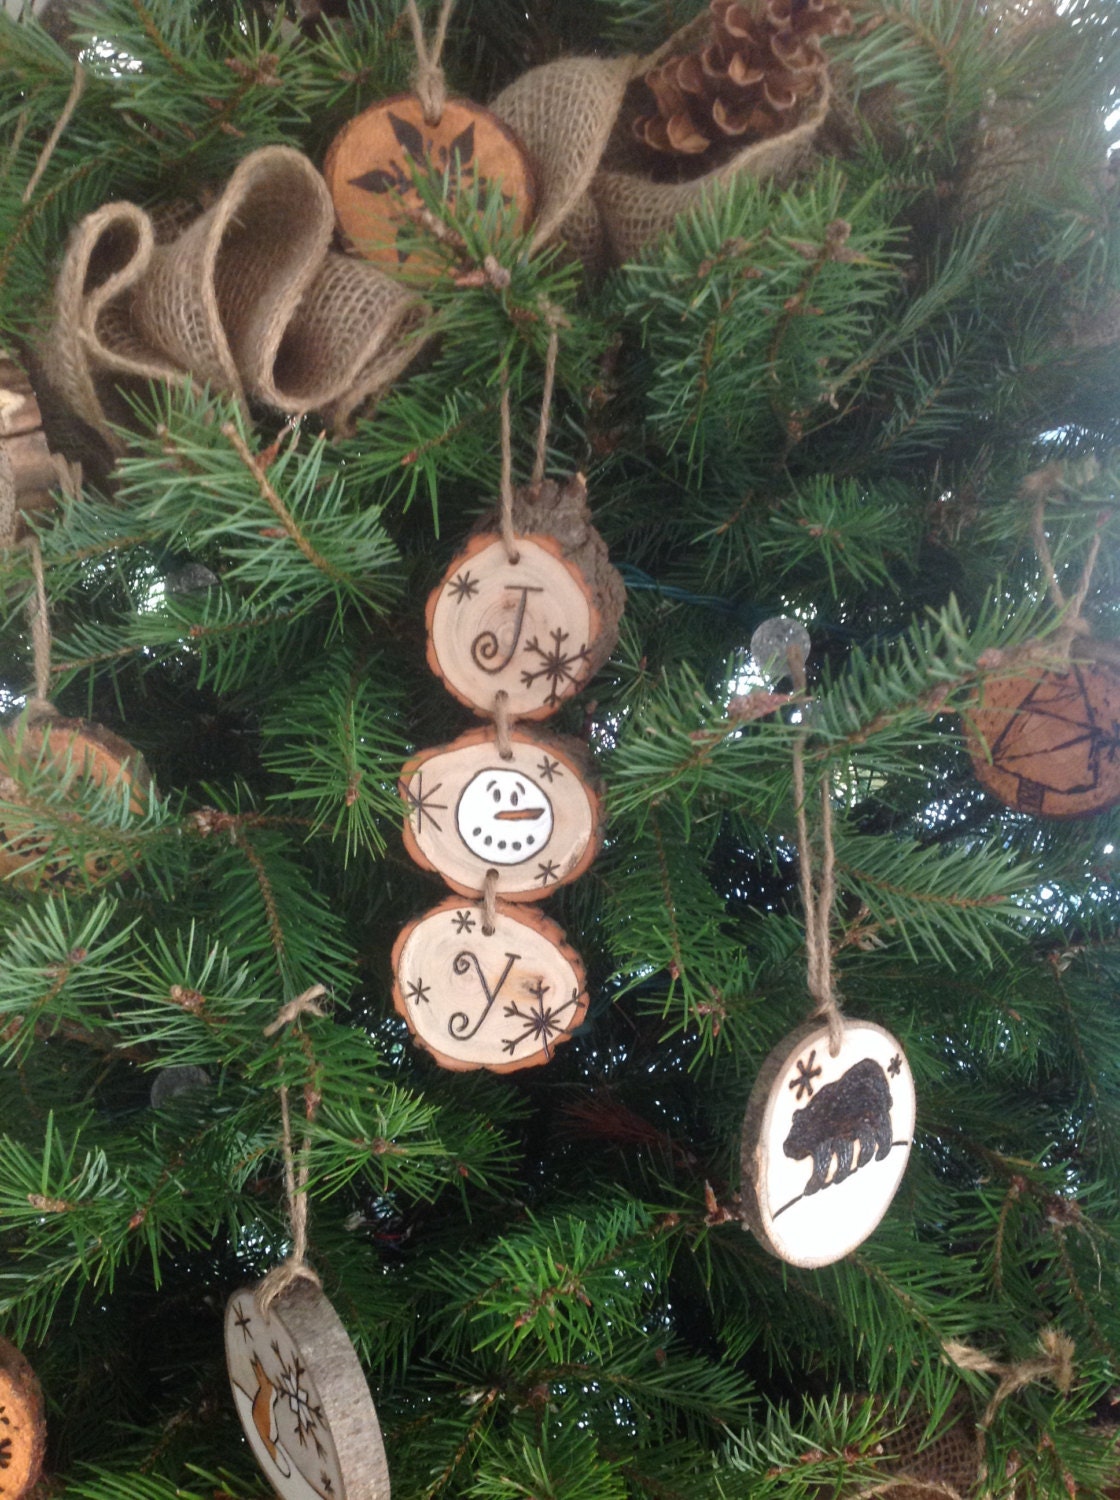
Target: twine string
x,y
818,894
505,508
489,902
1073,624
554,318
428,80
502,723
55,136
295,1267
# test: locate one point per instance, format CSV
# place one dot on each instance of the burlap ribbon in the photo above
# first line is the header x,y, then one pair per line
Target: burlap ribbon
x,y
567,113
248,298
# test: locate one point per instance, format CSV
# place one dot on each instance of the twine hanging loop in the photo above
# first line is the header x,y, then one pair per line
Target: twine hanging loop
x,y
1073,624
295,1267
428,80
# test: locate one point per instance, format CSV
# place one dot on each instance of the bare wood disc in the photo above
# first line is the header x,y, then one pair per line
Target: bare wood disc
x,y
74,750
302,1397
502,1000
23,1424
533,818
1048,743
369,165
826,1141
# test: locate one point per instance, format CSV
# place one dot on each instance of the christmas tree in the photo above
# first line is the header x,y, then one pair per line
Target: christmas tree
x,y
830,329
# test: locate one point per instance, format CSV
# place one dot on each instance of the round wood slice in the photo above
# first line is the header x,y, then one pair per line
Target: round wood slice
x,y
538,628
23,1424
370,164
1047,742
533,818
826,1141
502,1001
303,1399
74,749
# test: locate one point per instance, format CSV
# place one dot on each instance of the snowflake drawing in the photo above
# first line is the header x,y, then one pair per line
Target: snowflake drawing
x,y
803,1083
422,804
558,665
243,1321
541,1025
548,769
416,991
894,1067
464,922
290,1388
463,586
547,872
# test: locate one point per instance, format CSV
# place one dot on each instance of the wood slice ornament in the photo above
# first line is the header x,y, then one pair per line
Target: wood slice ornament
x,y
370,165
70,751
26,462
23,1424
302,1397
502,1000
826,1141
1048,742
532,818
537,627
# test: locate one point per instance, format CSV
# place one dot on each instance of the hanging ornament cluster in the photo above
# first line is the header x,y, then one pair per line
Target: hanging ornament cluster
x,y
519,622
297,1383
23,1424
29,470
1043,730
830,1119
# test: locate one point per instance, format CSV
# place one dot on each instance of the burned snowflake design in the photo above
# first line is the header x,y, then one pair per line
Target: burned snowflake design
x,y
243,1320
557,665
894,1067
423,805
803,1083
463,586
547,872
416,991
541,1024
464,922
290,1387
549,769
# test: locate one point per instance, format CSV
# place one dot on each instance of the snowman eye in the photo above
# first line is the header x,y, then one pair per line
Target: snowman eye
x,y
513,799
497,796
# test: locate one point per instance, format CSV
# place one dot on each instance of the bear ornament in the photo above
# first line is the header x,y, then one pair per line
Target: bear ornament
x,y
826,1141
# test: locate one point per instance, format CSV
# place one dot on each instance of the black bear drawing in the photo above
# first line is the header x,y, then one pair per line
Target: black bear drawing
x,y
855,1107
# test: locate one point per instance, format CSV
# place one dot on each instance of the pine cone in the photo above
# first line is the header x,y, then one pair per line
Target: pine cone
x,y
746,83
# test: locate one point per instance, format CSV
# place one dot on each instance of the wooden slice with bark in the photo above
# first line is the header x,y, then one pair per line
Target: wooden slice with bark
x,y
302,1397
1047,742
537,627
371,163
65,753
501,999
826,1141
26,462
23,1424
534,819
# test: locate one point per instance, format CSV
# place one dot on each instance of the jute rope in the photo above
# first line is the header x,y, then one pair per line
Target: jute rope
x,y
56,134
39,620
1054,1362
1072,623
505,491
428,80
502,724
555,319
295,1267
818,896
489,902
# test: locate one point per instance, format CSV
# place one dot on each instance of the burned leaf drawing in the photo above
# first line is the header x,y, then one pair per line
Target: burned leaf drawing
x,y
408,137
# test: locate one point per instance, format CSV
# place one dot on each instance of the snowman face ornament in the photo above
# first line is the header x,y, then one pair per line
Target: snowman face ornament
x,y
504,816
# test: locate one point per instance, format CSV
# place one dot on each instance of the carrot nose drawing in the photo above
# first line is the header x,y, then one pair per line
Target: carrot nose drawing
x,y
519,814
